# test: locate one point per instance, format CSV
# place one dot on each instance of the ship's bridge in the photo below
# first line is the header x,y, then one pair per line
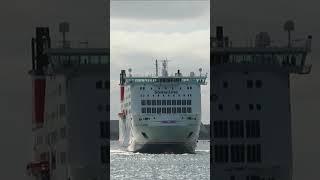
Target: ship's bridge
x,y
68,58
288,59
170,79
261,57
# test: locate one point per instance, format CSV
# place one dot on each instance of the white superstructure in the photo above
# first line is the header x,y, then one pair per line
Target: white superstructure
x,y
71,113
160,113
251,116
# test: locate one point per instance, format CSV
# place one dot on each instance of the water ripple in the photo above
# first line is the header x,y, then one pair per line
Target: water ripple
x,y
128,165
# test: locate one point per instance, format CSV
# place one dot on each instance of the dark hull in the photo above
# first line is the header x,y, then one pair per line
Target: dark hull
x,y
158,148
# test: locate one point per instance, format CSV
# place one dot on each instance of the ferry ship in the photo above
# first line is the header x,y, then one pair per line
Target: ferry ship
x,y
160,114
70,127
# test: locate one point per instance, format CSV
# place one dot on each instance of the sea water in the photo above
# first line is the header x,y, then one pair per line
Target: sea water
x,y
128,165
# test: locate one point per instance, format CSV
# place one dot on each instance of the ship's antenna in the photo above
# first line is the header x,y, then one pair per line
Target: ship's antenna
x,y
156,68
289,26
164,68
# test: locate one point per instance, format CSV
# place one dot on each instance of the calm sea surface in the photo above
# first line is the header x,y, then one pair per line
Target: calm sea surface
x,y
128,165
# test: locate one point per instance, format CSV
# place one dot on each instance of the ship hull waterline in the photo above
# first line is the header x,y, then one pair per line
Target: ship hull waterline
x,y
175,139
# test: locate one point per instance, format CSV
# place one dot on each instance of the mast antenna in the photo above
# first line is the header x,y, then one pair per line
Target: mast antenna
x,y
156,68
289,27
164,68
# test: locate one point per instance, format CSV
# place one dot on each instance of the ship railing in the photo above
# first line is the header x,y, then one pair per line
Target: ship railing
x,y
73,44
76,58
304,43
198,79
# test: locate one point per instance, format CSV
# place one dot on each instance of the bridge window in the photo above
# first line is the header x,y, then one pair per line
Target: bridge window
x,y
249,84
258,83
237,153
221,153
154,102
258,106
252,128
254,153
236,128
220,129
153,110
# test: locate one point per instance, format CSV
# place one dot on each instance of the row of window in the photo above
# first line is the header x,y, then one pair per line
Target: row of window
x,y
147,118
165,102
236,129
251,107
174,95
151,88
237,153
166,110
250,84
